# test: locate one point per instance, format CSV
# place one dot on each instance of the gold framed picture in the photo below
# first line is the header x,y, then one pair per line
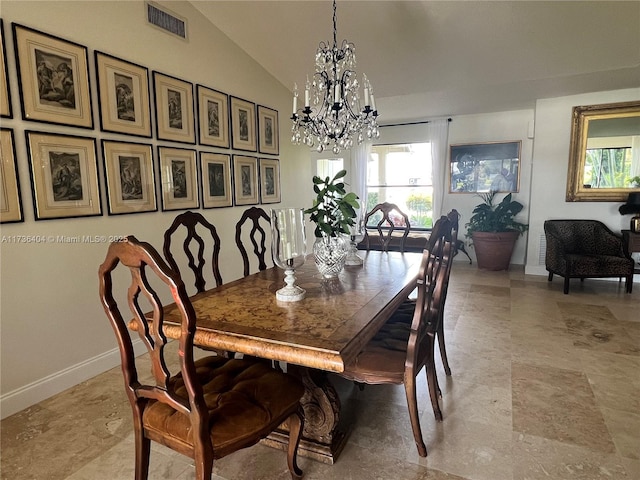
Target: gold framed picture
x,y
174,109
123,93
268,132
64,175
130,179
5,91
213,117
243,124
245,180
269,180
10,203
53,78
215,175
178,176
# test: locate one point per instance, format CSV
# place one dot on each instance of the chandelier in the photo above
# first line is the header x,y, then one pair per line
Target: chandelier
x,y
333,112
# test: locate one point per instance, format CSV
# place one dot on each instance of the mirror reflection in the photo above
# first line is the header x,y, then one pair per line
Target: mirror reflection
x,y
604,161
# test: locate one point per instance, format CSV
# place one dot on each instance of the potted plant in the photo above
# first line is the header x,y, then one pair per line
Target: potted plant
x,y
333,212
635,181
494,230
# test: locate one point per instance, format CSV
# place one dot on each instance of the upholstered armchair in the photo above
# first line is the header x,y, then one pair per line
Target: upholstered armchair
x,y
585,249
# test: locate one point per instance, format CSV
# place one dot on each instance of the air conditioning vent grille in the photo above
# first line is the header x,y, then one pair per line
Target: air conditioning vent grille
x,y
166,21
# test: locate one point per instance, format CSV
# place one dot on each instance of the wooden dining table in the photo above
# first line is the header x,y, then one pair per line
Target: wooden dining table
x,y
319,334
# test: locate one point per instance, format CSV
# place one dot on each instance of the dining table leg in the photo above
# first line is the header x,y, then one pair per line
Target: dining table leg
x,y
325,433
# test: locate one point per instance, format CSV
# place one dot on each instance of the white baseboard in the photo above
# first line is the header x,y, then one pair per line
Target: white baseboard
x,y
28,395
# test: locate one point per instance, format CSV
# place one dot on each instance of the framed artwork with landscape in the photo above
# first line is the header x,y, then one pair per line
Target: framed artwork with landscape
x,y
245,180
64,175
123,91
10,204
268,133
215,175
53,78
213,117
178,176
5,91
130,180
243,124
484,167
174,109
269,180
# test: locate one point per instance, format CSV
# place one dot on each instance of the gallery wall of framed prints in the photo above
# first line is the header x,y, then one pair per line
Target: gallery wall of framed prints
x,y
82,158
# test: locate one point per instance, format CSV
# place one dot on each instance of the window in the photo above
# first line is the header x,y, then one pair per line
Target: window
x,y
328,167
402,174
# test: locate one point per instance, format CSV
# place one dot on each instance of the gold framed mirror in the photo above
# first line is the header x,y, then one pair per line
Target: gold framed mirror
x,y
604,155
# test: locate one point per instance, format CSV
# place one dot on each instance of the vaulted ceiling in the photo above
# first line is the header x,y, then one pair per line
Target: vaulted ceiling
x,y
434,58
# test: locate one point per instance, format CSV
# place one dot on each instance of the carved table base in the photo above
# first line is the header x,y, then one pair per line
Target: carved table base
x,y
324,435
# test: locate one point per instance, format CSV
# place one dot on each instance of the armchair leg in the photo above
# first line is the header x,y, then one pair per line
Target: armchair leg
x,y
550,276
566,285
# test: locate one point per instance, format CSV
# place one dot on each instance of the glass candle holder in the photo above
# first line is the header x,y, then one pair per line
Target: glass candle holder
x,y
356,234
289,247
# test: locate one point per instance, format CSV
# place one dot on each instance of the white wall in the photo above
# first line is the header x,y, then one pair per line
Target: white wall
x,y
550,167
54,331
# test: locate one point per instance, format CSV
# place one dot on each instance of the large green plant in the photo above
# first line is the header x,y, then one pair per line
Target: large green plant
x,y
333,209
491,217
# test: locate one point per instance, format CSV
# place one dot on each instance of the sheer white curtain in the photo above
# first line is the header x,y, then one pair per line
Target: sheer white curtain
x,y
359,178
438,135
635,156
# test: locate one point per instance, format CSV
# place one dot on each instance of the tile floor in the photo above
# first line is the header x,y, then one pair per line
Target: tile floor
x,y
544,386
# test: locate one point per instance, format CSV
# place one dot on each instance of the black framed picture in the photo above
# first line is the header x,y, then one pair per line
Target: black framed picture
x,y
243,124
213,117
53,78
179,178
484,167
10,201
123,91
64,175
130,177
5,91
268,131
174,109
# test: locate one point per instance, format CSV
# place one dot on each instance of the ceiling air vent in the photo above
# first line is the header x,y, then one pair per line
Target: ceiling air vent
x,y
166,20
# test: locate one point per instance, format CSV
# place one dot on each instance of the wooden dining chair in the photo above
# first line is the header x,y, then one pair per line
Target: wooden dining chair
x,y
257,235
206,408
194,223
390,219
400,350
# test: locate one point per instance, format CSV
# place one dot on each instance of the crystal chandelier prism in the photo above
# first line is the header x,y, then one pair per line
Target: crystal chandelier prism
x,y
333,114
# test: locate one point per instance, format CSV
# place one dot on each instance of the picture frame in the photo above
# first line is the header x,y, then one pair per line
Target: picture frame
x,y
268,131
64,175
123,96
5,90
175,120
243,124
130,178
10,198
269,180
215,178
179,178
53,77
245,180
482,167
213,117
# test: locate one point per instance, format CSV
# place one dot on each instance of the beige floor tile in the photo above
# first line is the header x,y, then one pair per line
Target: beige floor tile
x,y
544,459
558,405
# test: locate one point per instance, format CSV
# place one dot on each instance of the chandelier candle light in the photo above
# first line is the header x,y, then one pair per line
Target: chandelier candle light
x,y
333,113
289,247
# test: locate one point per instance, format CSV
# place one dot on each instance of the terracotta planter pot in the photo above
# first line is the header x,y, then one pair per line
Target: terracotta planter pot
x,y
493,250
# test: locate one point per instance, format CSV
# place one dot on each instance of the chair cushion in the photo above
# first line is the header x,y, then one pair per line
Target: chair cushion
x,y
598,265
246,400
383,359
